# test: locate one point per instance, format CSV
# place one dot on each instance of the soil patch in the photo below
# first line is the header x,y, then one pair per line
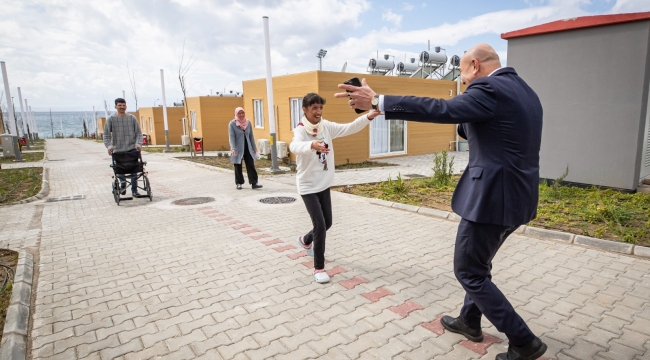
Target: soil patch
x,y
7,258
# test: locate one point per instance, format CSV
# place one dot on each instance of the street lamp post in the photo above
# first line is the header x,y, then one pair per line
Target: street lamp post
x,y
154,103
321,54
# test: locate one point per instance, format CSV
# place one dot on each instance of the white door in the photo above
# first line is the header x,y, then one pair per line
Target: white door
x,y
387,136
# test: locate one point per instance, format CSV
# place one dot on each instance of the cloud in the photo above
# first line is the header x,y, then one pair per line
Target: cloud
x,y
70,53
408,6
391,17
626,6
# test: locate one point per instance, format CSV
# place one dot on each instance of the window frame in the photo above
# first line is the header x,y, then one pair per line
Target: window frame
x,y
258,115
193,119
295,120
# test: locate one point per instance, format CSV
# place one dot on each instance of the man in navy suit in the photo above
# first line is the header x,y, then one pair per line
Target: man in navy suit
x,y
501,118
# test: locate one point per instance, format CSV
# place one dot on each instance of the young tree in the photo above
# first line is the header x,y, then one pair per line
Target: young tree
x,y
183,68
132,80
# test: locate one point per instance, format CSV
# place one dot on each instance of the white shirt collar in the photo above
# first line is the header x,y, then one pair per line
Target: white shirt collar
x,y
495,71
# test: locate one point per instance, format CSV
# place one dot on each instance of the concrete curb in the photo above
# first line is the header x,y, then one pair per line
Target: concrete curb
x,y
602,244
14,337
45,189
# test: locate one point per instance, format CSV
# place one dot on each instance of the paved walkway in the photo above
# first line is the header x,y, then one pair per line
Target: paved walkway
x,y
224,280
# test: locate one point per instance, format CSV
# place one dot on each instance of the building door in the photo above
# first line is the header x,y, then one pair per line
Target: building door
x,y
645,159
387,137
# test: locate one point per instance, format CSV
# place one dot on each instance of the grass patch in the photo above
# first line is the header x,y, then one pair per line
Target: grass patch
x,y
224,162
27,157
362,165
605,214
162,149
19,184
8,258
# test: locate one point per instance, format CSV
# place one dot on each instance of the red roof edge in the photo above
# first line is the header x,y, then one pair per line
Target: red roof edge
x,y
577,23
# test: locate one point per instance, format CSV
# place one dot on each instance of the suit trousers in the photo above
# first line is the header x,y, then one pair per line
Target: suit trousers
x,y
250,168
476,246
319,207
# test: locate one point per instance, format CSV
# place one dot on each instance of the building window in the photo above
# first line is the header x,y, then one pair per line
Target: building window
x,y
150,124
258,112
193,115
296,111
142,122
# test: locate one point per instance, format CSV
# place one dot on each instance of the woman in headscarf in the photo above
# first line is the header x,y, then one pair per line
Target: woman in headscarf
x,y
242,146
312,144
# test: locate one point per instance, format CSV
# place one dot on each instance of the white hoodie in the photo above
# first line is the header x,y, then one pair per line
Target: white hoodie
x,y
311,175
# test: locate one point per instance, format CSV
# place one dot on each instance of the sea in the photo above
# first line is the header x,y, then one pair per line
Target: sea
x,y
64,124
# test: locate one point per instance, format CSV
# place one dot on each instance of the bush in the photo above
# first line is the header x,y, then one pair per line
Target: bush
x,y
398,187
443,170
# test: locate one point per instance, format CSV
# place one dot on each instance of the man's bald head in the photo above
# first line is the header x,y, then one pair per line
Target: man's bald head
x,y
479,61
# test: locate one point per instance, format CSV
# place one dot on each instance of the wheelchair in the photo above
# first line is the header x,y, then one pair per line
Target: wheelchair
x,y
129,164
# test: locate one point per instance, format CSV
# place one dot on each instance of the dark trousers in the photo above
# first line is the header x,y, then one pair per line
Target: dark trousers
x,y
476,246
250,168
319,207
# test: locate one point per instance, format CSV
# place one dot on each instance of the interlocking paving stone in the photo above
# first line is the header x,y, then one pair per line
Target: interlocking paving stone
x,y
374,296
189,271
406,308
481,347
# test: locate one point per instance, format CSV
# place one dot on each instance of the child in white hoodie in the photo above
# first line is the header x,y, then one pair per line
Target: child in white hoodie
x,y
312,144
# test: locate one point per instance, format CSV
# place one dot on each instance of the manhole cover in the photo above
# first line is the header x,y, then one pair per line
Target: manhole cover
x,y
278,200
414,175
66,198
193,201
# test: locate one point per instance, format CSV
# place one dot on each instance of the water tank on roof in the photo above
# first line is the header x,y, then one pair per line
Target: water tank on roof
x,y
432,58
407,67
178,103
379,64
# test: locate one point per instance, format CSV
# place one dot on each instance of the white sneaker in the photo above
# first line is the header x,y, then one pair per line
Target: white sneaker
x,y
308,248
321,276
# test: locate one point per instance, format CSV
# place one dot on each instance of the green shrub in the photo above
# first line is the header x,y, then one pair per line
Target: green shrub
x,y
443,170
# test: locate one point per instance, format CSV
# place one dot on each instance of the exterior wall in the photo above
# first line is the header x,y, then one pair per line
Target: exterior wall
x,y
157,134
422,138
213,113
593,85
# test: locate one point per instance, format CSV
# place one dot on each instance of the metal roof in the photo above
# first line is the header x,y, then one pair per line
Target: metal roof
x,y
581,22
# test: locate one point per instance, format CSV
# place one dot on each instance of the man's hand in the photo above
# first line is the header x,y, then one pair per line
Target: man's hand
x,y
360,96
138,147
110,150
319,146
233,152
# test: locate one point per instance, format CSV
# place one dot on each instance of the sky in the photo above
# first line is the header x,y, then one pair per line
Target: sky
x,y
71,55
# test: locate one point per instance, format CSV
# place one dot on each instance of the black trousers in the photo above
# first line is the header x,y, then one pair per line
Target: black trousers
x,y
250,168
476,246
319,207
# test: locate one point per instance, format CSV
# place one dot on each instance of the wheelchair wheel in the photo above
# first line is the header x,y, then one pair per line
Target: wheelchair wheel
x,y
116,192
148,187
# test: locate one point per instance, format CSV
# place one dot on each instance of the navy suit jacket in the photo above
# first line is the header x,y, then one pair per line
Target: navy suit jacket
x,y
501,118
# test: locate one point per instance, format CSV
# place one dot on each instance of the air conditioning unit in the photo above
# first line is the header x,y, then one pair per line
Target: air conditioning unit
x,y
282,149
185,140
263,146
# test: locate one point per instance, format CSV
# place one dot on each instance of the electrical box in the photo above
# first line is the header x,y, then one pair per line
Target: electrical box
x,y
282,149
8,145
263,146
185,140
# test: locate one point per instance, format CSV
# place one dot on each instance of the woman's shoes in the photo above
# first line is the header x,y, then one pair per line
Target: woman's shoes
x,y
238,186
321,276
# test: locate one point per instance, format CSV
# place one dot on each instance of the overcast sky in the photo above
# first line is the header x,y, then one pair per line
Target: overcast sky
x,y
73,54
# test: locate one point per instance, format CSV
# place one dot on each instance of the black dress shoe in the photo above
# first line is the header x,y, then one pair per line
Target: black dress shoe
x,y
531,351
457,326
256,186
123,190
238,186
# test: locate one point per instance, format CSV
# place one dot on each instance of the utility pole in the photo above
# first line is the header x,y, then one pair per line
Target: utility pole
x,y
24,120
30,124
10,110
269,96
51,123
164,106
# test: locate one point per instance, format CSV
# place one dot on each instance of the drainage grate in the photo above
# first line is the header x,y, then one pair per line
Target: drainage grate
x,y
193,201
278,200
414,175
66,198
